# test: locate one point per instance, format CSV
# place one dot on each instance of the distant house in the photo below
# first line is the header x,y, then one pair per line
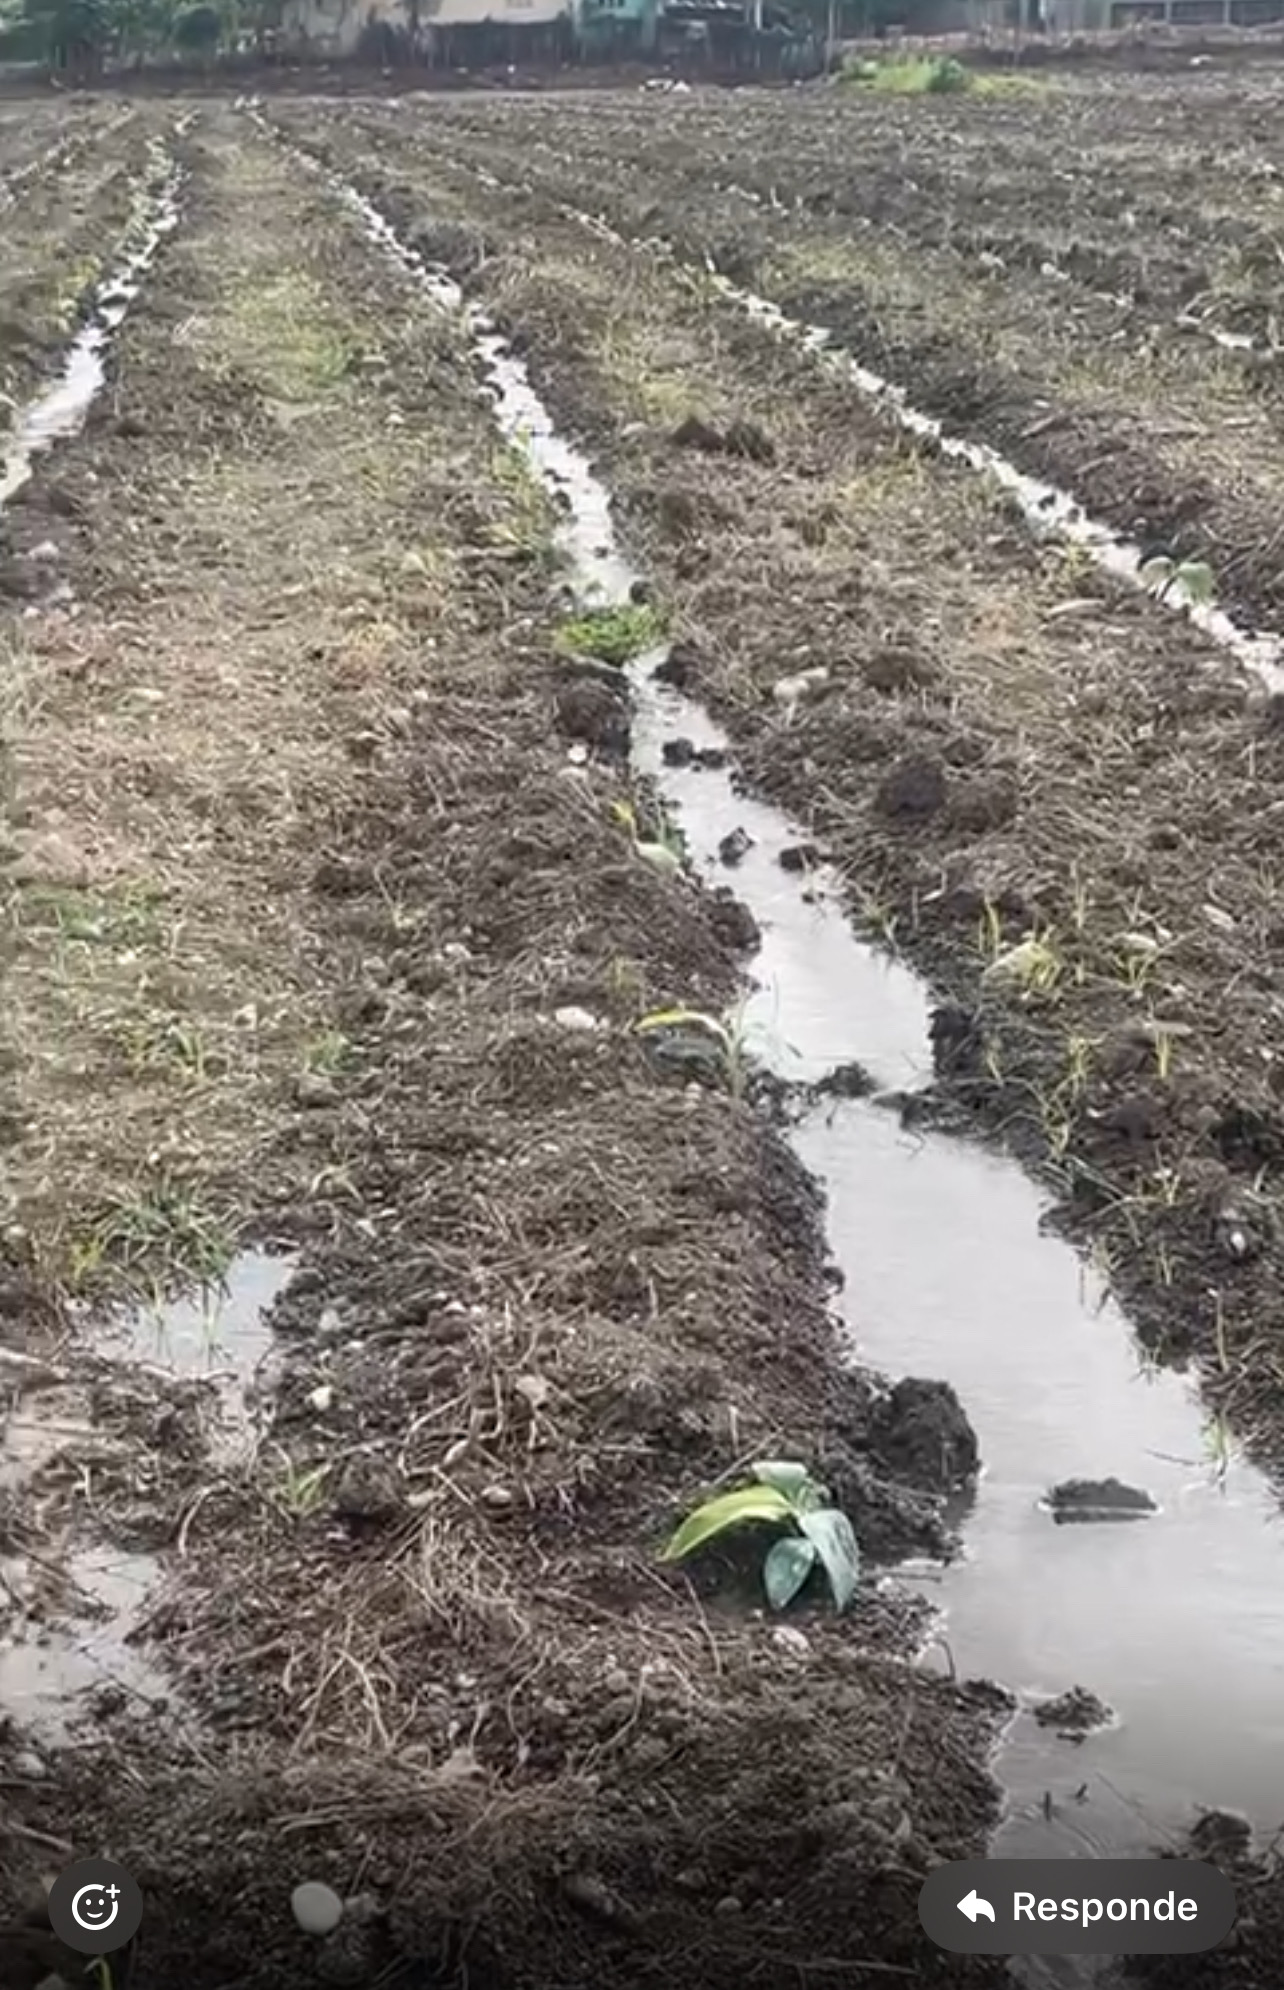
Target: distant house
x,y
475,34
451,32
610,29
753,34
479,31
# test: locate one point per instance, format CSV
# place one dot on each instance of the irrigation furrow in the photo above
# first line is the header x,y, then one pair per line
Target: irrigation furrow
x,y
1050,513
59,410
809,976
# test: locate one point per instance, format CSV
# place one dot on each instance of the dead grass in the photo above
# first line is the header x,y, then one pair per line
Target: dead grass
x,y
543,1298
168,743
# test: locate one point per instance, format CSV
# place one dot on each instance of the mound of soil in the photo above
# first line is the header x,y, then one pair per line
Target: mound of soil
x,y
1073,1713
412,1630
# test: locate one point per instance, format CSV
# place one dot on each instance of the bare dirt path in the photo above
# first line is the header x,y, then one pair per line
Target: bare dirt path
x,y
307,909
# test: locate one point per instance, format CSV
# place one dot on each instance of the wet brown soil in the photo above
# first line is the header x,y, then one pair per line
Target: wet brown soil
x,y
326,945
68,181
1008,752
1047,794
1048,268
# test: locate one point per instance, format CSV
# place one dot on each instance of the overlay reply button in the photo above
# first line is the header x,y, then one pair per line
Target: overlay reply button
x,y
1077,1906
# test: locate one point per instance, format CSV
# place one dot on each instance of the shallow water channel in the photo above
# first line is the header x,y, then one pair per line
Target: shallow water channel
x,y
1048,511
1176,1621
60,409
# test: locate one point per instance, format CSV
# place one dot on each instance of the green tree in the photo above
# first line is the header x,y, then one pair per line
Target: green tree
x,y
141,27
72,36
198,30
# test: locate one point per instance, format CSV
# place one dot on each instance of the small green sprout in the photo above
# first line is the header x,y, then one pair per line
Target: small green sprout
x,y
613,635
300,1492
783,1494
664,853
1189,580
1033,965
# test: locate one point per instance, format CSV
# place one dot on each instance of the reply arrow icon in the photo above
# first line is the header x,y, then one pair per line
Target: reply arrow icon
x,y
973,1906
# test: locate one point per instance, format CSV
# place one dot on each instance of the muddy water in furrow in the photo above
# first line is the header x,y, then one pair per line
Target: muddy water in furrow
x,y
82,1610
1175,1620
1047,510
59,411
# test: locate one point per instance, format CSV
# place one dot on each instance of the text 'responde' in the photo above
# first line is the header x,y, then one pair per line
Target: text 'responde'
x,y
1027,1907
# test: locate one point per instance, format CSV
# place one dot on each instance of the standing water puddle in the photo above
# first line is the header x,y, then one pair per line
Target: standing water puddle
x,y
74,1641
1176,1621
69,1639
222,1333
74,1614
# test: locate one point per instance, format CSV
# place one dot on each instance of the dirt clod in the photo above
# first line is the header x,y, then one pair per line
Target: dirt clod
x,y
596,713
914,789
1098,1499
920,1431
1075,1712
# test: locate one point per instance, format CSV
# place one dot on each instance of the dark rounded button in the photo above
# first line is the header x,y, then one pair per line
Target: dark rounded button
x,y
1077,1906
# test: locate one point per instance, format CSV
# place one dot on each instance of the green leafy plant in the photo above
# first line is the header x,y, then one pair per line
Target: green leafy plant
x,y
910,75
783,1494
328,1054
704,1038
665,852
1190,579
613,635
153,1242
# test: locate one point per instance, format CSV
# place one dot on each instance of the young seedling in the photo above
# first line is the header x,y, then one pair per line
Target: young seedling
x,y
783,1494
1168,1188
1218,1445
1079,1051
167,1042
1058,1127
1190,580
726,1038
880,920
1033,965
613,635
989,939
155,1241
1163,1035
328,1054
624,980
664,853
299,1493
1136,959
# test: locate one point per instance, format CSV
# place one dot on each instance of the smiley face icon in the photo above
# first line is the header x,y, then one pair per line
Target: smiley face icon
x,y
95,1906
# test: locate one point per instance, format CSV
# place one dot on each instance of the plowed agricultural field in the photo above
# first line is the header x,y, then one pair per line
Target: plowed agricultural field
x,y
401,1232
